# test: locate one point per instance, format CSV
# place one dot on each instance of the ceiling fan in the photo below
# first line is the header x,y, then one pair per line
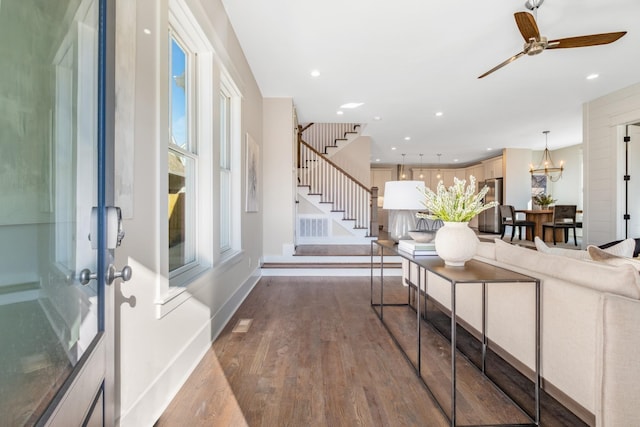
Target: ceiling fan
x,y
534,43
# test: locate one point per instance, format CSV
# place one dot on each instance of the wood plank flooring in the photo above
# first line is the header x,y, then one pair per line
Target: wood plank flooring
x,y
316,354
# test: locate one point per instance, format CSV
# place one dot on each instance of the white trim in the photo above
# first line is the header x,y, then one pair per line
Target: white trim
x,y
185,28
146,409
178,294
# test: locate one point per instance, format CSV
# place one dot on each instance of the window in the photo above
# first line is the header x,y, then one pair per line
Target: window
x,y
203,191
182,158
229,131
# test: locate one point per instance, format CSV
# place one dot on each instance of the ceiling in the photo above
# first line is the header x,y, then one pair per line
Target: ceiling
x,y
408,59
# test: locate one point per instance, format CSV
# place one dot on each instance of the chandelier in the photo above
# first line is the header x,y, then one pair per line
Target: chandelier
x,y
546,165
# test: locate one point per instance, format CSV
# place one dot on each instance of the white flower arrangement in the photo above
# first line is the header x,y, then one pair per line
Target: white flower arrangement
x,y
455,204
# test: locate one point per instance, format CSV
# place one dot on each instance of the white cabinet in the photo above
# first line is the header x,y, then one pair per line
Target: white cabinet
x,y
493,168
421,174
477,171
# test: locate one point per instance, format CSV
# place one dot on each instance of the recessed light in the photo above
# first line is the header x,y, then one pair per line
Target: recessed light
x,y
407,138
339,112
593,76
352,105
146,31
315,73
439,114
377,118
489,149
456,160
393,148
377,160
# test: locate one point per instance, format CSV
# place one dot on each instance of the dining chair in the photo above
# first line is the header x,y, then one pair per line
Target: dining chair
x,y
508,218
564,217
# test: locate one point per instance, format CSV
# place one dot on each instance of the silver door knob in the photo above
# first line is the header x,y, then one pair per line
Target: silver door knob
x,y
86,276
125,274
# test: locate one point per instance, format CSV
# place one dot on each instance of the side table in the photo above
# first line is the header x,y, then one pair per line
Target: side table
x,y
474,272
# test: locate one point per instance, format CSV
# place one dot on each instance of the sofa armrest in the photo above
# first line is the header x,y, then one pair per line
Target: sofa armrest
x,y
618,370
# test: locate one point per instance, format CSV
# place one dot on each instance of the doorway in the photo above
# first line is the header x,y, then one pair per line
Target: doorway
x,y
53,171
631,197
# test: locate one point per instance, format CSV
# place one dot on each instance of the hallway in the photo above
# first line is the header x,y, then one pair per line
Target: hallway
x,y
315,354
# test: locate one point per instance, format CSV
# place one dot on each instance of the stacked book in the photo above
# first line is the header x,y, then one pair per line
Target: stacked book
x,y
414,248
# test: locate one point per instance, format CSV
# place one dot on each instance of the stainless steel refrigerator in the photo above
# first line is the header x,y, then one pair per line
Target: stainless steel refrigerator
x,y
489,220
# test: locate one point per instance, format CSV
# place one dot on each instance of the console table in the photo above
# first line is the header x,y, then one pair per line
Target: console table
x,y
473,273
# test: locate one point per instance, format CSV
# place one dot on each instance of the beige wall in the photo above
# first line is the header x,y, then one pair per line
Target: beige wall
x,y
602,152
355,159
279,177
155,353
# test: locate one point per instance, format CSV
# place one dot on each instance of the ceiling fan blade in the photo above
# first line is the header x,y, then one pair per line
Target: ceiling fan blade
x,y
583,41
527,26
507,62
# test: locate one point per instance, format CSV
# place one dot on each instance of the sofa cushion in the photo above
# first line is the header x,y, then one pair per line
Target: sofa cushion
x,y
602,255
636,251
571,253
621,280
623,248
486,250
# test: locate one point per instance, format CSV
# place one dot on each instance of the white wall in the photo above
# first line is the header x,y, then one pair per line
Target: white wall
x,y
155,354
602,146
279,177
517,179
568,190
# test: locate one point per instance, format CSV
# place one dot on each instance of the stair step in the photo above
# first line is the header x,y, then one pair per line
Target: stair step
x,y
329,265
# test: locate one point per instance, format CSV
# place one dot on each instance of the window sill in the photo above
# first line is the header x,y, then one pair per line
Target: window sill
x,y
184,286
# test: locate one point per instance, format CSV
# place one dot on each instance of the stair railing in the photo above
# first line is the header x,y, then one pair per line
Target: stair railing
x,y
336,186
321,136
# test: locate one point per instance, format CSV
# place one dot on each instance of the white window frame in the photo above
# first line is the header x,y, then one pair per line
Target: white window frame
x,y
190,152
185,29
230,245
211,75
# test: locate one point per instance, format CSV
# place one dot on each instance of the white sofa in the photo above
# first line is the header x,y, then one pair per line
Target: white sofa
x,y
590,327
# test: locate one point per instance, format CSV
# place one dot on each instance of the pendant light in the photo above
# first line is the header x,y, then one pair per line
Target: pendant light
x,y
421,174
546,165
439,175
402,174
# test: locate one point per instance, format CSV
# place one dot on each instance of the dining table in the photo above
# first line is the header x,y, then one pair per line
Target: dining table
x,y
540,216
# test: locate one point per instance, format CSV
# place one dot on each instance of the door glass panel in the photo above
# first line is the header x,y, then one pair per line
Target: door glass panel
x,y
48,181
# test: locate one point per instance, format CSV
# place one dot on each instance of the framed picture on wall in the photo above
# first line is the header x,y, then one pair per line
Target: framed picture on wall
x,y
538,185
252,168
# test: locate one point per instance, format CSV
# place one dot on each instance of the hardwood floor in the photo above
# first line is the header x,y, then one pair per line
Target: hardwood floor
x,y
316,354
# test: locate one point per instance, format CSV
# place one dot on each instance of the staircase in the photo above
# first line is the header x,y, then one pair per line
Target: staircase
x,y
334,220
333,206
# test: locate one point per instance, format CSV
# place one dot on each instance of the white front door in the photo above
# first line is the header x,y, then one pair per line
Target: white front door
x,y
55,327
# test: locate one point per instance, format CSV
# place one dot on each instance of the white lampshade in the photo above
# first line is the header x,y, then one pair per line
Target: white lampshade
x,y
405,195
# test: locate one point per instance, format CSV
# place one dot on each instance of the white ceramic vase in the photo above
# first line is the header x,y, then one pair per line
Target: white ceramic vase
x,y
456,243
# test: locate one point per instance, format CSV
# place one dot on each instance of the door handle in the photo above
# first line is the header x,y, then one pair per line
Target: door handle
x,y
86,276
112,274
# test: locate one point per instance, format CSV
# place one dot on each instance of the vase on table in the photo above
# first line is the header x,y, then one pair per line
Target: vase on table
x,y
456,243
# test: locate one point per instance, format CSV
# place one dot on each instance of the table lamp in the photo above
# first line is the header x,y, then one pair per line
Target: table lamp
x,y
403,200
